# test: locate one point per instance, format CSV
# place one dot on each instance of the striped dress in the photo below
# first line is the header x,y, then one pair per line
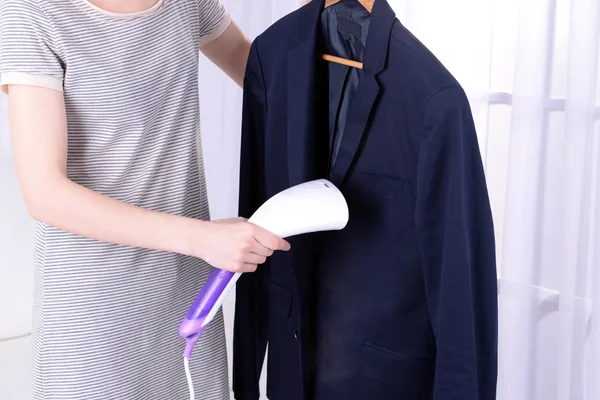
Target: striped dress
x,y
106,316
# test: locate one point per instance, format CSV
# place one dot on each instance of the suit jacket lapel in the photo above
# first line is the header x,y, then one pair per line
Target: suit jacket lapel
x,y
358,117
375,56
305,144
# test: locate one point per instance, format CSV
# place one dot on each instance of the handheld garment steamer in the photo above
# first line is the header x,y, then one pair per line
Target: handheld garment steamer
x,y
309,207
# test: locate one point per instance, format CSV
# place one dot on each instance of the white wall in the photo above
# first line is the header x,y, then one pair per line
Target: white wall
x,y
16,276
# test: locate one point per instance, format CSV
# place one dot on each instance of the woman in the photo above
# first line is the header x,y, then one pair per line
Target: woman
x,y
105,132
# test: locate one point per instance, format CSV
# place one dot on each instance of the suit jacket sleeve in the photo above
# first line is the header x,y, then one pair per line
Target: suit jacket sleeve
x,y
456,240
250,336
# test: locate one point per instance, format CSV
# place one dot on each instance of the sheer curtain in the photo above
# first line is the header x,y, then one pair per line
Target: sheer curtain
x,y
532,71
16,275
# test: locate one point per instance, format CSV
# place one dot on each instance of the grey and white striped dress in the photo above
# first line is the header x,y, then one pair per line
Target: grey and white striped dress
x,y
106,316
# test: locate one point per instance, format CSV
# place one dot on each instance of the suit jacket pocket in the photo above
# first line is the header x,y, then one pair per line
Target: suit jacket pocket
x,y
280,299
377,182
412,374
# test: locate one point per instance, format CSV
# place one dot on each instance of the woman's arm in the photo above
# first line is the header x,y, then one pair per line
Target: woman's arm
x,y
230,52
39,139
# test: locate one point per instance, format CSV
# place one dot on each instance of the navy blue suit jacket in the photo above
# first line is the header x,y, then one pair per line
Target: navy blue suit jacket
x,y
402,303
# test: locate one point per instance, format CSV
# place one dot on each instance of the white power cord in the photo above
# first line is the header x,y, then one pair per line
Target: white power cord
x,y
188,374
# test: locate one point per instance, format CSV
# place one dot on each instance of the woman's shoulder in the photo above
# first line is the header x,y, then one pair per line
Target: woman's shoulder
x,y
32,11
34,6
20,17
24,8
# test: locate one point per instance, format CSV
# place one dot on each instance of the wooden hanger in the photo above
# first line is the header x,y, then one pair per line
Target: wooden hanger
x,y
368,5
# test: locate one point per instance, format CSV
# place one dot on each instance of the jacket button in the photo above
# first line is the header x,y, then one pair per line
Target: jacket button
x,y
296,337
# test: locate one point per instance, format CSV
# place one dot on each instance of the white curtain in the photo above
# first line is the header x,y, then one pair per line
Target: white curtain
x,y
532,72
16,275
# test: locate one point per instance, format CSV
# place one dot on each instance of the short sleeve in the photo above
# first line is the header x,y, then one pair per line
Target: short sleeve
x,y
214,20
27,53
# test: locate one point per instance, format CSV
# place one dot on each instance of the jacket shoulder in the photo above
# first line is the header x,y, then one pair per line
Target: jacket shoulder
x,y
418,63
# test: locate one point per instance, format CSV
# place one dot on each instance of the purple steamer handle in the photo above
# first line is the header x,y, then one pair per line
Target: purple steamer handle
x,y
309,207
205,306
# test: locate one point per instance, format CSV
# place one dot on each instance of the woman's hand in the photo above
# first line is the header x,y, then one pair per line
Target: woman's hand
x,y
235,245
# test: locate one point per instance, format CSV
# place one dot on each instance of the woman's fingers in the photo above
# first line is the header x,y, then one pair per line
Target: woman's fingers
x,y
270,241
261,250
253,258
249,267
